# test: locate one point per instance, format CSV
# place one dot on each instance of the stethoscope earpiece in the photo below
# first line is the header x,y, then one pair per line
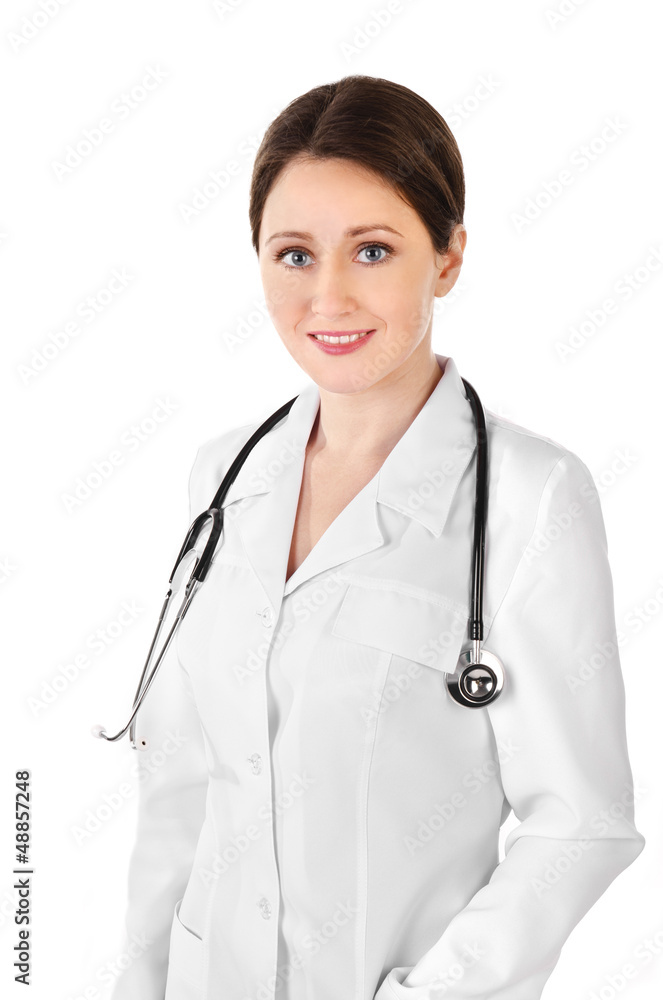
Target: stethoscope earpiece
x,y
476,682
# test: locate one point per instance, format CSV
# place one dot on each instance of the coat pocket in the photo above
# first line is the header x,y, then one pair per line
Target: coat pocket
x,y
185,962
406,623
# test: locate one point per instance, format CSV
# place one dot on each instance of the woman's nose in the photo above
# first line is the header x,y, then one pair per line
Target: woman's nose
x,y
333,292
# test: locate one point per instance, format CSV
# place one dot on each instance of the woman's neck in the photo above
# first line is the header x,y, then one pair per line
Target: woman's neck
x,y
363,426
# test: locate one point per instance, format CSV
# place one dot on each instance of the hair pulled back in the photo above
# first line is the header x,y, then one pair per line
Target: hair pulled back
x,y
383,127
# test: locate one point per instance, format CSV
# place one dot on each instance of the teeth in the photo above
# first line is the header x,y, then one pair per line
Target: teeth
x,y
339,340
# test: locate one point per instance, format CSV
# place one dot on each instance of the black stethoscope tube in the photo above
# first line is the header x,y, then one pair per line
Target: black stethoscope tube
x,y
479,676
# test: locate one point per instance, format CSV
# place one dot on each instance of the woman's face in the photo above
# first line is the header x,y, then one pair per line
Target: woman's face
x,y
321,277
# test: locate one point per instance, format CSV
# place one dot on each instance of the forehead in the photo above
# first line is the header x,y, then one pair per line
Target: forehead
x,y
329,196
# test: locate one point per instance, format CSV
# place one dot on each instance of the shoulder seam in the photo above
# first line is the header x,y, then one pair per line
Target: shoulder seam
x,y
495,419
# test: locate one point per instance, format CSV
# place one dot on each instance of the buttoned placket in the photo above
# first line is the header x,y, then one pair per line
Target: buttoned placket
x,y
246,897
260,879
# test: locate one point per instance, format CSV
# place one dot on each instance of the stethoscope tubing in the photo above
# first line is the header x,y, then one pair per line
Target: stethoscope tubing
x,y
479,543
481,677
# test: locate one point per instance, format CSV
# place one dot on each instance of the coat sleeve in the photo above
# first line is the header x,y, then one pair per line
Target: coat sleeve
x,y
172,776
569,780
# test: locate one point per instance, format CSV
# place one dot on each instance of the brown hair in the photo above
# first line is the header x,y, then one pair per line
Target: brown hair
x,y
382,126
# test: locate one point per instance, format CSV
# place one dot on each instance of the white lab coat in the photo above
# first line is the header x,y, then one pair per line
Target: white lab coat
x,y
325,823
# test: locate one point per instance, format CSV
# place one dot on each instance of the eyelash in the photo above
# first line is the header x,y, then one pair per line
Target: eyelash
x,y
374,263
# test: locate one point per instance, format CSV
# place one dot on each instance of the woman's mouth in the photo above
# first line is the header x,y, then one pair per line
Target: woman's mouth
x,y
341,342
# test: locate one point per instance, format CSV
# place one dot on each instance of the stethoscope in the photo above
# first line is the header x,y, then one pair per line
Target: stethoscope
x,y
479,676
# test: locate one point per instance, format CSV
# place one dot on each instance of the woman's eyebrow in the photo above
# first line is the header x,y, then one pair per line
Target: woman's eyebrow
x,y
349,233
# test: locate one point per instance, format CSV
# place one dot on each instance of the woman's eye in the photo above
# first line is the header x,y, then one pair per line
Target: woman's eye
x,y
297,255
373,250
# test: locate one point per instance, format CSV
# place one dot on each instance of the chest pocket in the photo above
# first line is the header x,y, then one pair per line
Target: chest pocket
x,y
382,614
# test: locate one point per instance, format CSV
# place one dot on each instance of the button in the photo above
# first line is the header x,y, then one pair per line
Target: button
x,y
265,907
267,616
256,762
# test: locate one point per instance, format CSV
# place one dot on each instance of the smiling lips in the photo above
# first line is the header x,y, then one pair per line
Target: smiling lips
x,y
341,342
348,337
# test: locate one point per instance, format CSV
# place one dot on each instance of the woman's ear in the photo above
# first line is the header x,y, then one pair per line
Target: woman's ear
x,y
450,263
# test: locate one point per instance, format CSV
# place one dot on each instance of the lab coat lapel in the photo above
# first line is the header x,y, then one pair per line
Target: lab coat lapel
x,y
262,501
422,472
353,533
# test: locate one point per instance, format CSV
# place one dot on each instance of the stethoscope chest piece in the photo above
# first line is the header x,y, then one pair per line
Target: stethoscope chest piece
x,y
476,682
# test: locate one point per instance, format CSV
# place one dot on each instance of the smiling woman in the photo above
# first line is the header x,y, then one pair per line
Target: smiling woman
x,y
329,825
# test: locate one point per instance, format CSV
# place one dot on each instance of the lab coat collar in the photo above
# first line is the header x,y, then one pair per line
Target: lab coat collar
x,y
418,478
421,473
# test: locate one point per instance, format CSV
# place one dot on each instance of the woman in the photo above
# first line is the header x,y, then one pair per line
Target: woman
x,y
325,825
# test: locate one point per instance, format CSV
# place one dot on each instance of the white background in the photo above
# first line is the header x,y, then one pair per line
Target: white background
x,y
524,86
